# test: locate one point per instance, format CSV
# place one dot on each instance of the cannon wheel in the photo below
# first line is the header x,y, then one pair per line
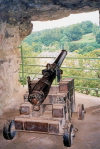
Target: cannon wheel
x,y
81,111
9,130
68,136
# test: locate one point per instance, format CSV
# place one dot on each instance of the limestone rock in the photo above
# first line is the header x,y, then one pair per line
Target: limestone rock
x,y
17,11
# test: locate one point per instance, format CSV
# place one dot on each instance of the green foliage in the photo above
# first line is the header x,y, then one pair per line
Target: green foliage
x,y
36,46
73,47
86,27
87,38
96,32
72,33
70,38
96,29
86,70
75,33
48,37
28,69
86,49
83,47
62,35
98,37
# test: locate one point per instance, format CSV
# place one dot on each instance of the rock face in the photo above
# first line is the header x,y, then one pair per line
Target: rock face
x,y
9,63
15,24
20,11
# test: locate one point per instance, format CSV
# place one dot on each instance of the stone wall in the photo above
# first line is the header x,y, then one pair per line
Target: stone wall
x,y
9,63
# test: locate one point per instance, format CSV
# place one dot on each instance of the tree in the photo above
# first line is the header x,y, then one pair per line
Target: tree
x,y
73,33
73,47
96,29
86,27
36,46
86,49
76,33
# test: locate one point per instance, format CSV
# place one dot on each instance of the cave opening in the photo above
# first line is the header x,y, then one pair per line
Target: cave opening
x,y
76,34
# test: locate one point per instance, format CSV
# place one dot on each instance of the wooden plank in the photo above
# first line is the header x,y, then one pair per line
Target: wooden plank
x,y
36,126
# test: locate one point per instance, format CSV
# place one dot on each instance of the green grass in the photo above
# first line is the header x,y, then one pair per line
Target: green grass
x,y
86,39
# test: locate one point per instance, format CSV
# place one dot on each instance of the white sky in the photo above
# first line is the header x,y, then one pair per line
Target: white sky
x,y
72,19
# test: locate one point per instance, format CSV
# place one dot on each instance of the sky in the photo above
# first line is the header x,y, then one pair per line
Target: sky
x,y
72,19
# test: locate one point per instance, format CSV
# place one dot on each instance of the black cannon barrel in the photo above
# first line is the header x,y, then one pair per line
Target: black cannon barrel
x,y
39,92
60,58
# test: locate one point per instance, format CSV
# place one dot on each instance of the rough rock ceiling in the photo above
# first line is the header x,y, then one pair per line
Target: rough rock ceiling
x,y
18,11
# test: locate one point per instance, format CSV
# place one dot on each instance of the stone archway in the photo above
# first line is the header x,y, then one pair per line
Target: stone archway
x,y
15,24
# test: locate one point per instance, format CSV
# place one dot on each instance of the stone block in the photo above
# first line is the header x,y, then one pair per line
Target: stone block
x,y
26,108
54,89
58,111
63,86
66,85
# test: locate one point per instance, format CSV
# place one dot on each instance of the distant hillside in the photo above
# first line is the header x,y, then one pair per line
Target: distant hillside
x,y
82,37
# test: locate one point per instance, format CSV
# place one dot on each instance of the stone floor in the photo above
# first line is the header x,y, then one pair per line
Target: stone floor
x,y
87,137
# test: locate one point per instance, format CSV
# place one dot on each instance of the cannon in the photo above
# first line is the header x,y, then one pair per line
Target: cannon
x,y
39,92
47,108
